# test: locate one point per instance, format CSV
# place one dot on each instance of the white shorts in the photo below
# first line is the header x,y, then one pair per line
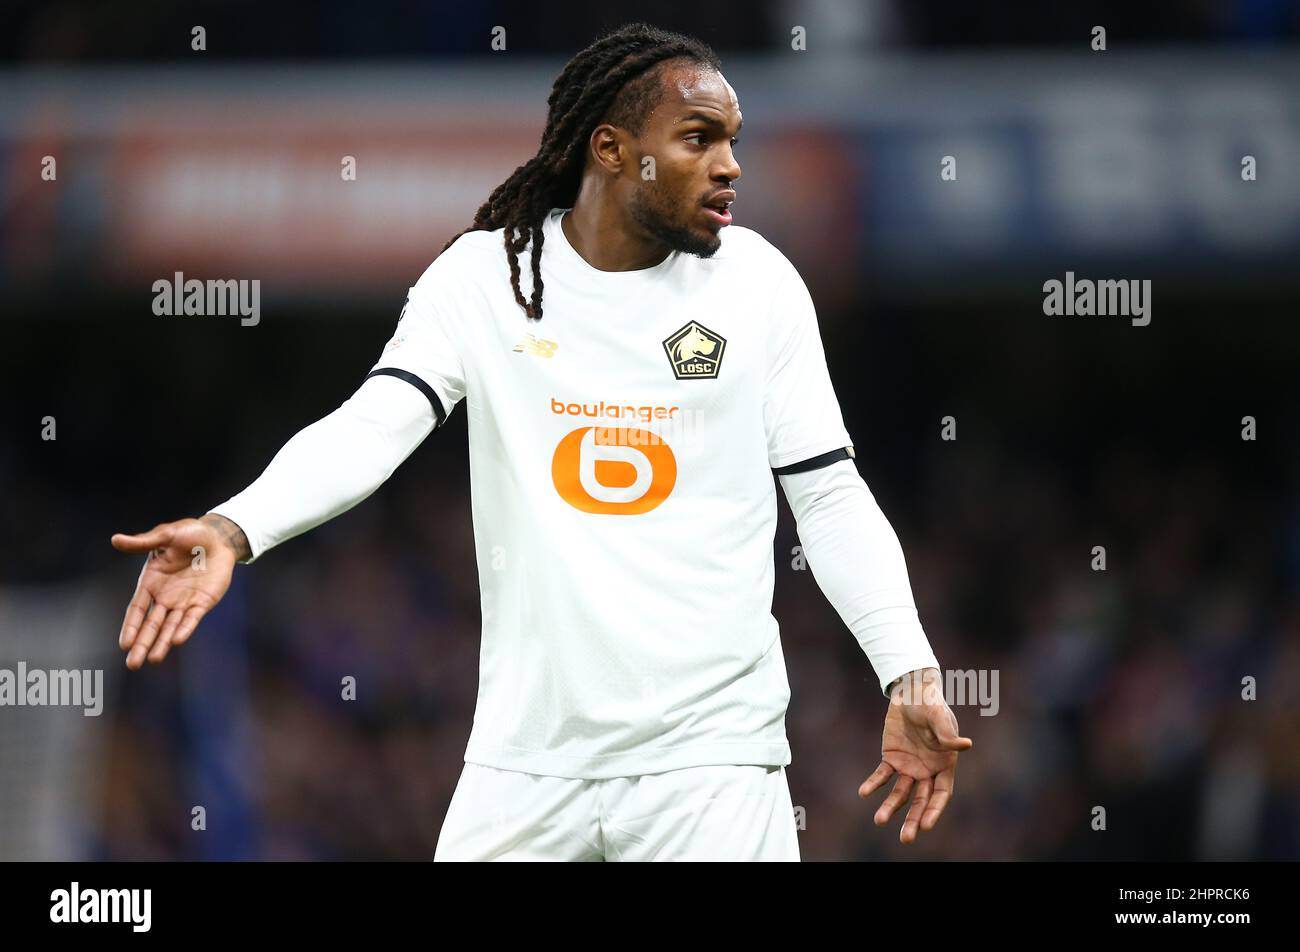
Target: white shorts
x,y
727,812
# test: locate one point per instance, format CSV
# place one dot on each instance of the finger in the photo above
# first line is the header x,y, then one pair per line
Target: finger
x,y
163,641
148,632
878,777
135,612
913,819
159,535
895,799
943,787
193,615
944,724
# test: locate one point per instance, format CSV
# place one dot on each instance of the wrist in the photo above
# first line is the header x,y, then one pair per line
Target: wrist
x,y
230,534
915,686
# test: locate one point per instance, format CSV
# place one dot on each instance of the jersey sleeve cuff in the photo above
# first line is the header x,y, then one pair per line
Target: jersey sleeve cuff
x,y
913,663
231,510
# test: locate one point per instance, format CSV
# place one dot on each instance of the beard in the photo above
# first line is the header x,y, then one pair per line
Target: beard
x,y
655,217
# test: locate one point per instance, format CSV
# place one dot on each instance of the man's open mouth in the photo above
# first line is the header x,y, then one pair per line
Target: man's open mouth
x,y
719,207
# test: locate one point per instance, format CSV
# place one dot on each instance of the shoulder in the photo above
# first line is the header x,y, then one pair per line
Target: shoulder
x,y
778,286
747,250
472,255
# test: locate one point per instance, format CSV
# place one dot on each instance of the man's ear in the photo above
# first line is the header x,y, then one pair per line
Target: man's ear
x,y
609,148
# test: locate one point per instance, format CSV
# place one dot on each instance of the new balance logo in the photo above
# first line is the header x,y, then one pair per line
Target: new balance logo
x,y
536,346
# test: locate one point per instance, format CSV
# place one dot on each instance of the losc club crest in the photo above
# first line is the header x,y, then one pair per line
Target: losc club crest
x,y
695,352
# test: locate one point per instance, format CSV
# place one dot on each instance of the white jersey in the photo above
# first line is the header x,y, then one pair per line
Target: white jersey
x,y
621,471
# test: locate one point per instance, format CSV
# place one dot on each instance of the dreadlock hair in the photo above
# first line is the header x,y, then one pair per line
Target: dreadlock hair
x,y
613,80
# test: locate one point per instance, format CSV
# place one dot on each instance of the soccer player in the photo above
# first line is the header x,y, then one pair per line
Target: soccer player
x,y
632,688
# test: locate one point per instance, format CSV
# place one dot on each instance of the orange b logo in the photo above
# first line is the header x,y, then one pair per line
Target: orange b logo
x,y
621,471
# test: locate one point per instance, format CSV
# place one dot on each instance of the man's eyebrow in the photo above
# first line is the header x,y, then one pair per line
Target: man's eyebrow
x,y
705,118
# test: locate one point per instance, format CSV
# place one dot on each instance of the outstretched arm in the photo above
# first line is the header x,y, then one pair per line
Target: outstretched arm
x,y
324,470
331,465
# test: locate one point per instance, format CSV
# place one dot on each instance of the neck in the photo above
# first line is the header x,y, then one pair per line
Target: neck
x,y
603,234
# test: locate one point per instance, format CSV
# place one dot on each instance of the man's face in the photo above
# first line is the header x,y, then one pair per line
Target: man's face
x,y
690,135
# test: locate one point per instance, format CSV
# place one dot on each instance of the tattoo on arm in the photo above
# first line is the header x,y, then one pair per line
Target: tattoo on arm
x,y
231,532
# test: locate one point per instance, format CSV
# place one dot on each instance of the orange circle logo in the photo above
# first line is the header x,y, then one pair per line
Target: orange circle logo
x,y
622,471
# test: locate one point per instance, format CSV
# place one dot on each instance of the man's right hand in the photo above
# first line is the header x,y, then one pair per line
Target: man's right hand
x,y
186,572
